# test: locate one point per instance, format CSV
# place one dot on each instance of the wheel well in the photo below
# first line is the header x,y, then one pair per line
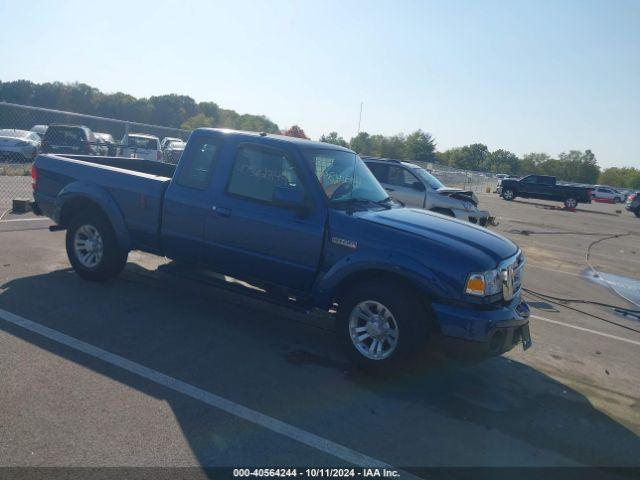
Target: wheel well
x,y
354,279
74,206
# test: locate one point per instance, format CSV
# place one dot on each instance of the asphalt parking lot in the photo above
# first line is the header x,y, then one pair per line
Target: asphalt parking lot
x,y
153,369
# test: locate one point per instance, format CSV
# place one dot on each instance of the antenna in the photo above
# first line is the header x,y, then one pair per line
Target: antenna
x,y
360,117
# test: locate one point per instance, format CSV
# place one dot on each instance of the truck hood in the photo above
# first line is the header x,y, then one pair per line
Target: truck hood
x,y
458,193
463,237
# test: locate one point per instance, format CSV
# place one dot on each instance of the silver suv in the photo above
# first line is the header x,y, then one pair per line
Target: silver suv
x,y
415,187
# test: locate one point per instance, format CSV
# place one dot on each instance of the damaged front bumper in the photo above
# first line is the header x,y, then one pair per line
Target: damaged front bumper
x,y
485,332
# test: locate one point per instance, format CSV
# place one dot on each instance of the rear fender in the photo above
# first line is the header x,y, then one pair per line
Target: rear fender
x,y
99,196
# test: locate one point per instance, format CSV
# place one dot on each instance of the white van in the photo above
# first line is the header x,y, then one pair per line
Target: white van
x,y
140,145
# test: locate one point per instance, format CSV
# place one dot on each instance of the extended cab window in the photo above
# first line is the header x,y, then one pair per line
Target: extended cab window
x,y
530,180
257,171
198,167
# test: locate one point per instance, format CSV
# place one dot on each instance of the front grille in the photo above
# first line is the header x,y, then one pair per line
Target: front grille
x,y
511,271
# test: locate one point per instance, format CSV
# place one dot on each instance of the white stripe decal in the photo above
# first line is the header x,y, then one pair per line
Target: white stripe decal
x,y
602,334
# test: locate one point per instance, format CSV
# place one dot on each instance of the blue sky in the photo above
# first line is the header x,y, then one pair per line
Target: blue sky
x,y
544,76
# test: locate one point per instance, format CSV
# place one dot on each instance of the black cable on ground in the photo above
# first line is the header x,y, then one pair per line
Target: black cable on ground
x,y
544,297
590,302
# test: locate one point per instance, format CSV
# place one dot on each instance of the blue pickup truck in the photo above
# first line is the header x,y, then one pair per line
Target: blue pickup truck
x,y
305,222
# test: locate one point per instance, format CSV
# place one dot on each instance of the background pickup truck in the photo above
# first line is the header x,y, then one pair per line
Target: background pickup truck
x,y
305,222
544,187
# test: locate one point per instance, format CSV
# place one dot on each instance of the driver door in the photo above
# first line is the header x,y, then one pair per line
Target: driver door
x,y
404,186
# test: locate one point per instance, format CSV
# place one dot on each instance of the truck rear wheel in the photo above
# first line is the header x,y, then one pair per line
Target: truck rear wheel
x,y
570,202
508,194
380,325
637,212
92,247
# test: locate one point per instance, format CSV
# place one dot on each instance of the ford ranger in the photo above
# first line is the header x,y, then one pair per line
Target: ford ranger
x,y
305,222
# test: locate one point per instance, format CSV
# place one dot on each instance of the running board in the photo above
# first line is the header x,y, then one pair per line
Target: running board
x,y
231,284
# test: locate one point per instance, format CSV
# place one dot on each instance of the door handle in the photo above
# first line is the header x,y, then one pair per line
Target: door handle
x,y
221,211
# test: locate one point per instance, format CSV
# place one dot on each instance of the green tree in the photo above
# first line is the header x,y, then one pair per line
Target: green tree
x,y
420,146
334,139
361,143
469,157
199,120
625,177
502,161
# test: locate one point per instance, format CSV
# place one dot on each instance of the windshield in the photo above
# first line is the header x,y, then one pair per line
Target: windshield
x,y
430,180
344,176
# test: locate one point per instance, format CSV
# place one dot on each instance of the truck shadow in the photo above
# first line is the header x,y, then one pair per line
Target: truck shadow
x,y
241,350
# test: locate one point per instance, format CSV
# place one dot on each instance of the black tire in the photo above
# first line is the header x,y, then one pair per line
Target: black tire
x,y
113,258
637,212
617,200
570,202
508,194
413,322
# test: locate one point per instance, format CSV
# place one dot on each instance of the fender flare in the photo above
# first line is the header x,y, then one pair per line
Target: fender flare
x,y
427,281
99,196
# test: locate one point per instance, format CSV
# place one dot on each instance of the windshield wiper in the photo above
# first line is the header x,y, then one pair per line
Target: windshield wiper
x,y
353,202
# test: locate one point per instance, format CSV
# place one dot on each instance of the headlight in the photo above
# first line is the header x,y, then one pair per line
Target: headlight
x,y
484,283
468,205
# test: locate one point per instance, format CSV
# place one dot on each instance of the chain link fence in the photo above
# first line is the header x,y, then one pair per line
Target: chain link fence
x,y
22,137
454,177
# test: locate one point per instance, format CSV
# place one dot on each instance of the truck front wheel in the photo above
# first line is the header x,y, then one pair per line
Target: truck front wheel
x,y
381,325
570,203
508,194
92,247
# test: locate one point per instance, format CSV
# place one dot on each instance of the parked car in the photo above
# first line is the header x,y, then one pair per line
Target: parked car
x,y
143,146
545,187
19,145
308,224
604,193
415,187
167,140
40,130
633,203
108,145
172,151
70,139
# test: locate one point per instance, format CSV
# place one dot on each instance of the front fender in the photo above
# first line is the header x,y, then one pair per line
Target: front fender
x,y
432,284
101,197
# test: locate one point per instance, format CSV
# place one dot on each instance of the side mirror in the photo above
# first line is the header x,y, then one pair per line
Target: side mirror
x,y
418,186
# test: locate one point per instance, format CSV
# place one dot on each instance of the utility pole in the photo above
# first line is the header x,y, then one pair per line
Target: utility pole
x,y
360,117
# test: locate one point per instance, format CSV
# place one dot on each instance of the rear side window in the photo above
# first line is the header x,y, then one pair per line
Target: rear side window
x,y
546,180
258,171
198,167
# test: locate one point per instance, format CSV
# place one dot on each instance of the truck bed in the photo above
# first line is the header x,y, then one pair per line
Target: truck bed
x,y
136,187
